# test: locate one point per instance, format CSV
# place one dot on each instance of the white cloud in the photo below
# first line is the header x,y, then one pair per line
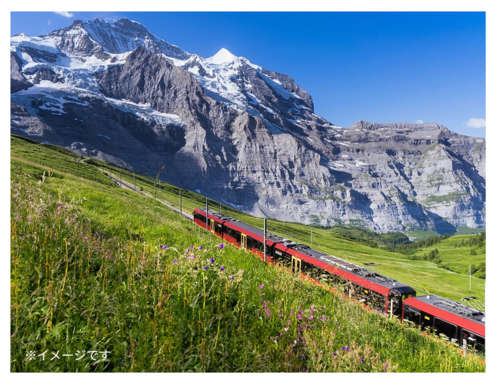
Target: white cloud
x,y
64,13
419,121
49,22
476,123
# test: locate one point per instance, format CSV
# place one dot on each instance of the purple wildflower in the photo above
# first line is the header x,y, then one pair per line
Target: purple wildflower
x,y
299,317
232,277
58,212
206,268
261,286
221,246
54,239
200,247
295,341
311,318
192,246
222,268
212,260
165,246
286,329
362,360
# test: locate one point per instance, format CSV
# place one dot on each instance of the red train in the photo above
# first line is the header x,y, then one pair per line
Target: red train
x,y
380,293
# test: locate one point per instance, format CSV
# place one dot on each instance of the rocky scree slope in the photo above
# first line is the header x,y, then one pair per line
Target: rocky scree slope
x,y
238,133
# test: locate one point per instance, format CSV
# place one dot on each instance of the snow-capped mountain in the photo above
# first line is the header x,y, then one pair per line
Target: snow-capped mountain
x,y
238,132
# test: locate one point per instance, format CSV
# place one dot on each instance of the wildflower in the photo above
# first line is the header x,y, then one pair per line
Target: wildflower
x,y
261,286
192,246
323,318
232,277
222,268
303,356
299,317
221,246
334,354
311,318
300,328
212,260
362,360
295,341
165,246
200,247
54,239
286,329
58,212
206,268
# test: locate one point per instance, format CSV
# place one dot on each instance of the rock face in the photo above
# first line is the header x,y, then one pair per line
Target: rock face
x,y
237,132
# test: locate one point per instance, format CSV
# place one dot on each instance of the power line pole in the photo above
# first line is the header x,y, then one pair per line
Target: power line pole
x,y
265,237
158,177
206,210
180,201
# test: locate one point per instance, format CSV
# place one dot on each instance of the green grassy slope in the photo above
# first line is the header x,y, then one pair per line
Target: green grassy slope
x,y
89,271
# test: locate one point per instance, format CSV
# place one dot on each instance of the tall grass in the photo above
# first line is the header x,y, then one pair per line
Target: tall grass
x,y
119,300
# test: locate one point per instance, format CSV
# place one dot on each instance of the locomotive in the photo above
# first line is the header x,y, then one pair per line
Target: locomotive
x,y
455,321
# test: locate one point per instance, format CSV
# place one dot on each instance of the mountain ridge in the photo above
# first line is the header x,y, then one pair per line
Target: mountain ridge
x,y
238,132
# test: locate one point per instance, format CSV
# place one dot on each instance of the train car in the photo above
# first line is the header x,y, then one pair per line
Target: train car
x,y
378,292
446,317
215,222
250,239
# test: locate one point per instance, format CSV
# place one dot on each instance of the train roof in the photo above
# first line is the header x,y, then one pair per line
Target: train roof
x,y
215,214
453,307
364,273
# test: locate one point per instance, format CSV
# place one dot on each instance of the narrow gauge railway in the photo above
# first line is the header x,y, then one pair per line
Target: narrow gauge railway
x,y
456,321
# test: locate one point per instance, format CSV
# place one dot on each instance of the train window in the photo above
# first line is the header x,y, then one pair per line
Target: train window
x,y
412,315
306,268
445,328
218,228
474,341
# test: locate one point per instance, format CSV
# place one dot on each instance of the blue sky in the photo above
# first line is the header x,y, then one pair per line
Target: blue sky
x,y
373,66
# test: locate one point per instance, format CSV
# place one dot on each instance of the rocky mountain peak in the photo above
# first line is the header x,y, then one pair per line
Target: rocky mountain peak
x,y
236,132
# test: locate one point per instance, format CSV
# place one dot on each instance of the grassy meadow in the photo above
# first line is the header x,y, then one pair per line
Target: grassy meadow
x,y
113,281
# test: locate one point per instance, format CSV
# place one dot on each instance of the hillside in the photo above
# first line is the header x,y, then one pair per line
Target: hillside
x,y
95,267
